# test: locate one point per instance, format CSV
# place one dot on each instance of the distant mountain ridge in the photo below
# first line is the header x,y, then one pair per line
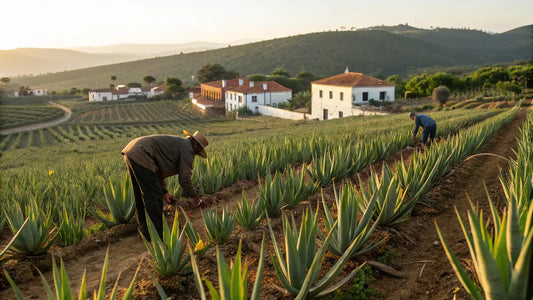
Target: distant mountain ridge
x,y
387,50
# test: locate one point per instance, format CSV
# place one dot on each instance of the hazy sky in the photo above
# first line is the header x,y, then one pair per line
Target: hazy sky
x,y
69,23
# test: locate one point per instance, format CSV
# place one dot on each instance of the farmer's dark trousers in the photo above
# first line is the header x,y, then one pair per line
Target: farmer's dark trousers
x,y
430,132
148,196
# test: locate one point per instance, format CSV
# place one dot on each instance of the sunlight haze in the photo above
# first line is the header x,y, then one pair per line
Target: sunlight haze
x,y
62,24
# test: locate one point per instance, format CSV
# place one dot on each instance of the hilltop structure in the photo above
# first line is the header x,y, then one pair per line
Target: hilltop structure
x,y
343,95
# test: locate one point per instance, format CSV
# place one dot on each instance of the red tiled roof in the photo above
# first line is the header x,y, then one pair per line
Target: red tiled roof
x,y
229,83
160,88
353,80
271,86
108,90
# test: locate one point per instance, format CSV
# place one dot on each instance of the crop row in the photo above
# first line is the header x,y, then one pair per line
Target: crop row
x,y
14,116
161,111
501,248
385,199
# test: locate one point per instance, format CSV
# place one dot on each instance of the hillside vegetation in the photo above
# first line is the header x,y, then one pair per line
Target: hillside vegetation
x,y
323,53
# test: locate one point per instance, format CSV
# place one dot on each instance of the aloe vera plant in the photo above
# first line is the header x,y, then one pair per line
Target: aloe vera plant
x,y
248,215
169,253
219,226
4,257
332,165
194,238
72,216
271,195
233,283
392,205
502,260
120,202
64,291
295,189
299,270
349,229
38,235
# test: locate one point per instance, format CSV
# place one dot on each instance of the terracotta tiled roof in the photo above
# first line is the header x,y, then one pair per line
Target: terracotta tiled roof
x,y
353,80
271,86
160,88
121,91
229,83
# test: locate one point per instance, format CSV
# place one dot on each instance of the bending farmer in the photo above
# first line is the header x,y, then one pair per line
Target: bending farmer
x,y
150,159
429,125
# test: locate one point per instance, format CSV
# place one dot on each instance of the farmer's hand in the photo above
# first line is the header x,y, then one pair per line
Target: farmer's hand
x,y
166,197
199,203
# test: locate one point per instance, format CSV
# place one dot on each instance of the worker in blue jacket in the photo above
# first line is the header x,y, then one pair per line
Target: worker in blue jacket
x,y
429,125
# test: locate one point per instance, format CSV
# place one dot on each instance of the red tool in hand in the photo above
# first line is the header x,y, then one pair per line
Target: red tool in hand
x,y
200,203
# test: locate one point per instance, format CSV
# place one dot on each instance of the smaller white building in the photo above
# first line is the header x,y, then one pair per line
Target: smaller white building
x,y
157,90
251,94
342,95
118,92
39,92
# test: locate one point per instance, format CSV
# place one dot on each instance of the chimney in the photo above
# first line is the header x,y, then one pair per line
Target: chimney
x,y
223,83
346,71
251,84
265,87
241,82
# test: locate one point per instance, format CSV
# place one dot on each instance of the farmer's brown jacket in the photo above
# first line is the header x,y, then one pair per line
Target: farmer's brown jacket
x,y
165,155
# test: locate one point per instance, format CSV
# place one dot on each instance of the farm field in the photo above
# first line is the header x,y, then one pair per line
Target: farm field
x,y
70,163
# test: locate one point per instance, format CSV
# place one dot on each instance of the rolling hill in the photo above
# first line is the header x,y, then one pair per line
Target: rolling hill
x,y
322,53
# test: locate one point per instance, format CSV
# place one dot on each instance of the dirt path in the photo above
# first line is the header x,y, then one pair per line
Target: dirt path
x,y
65,117
429,274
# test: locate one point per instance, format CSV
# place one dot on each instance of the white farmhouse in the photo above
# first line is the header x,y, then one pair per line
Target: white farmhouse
x,y
251,94
118,92
39,92
157,90
341,95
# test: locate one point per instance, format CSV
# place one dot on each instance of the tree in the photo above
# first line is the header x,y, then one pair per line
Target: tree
x,y
148,79
441,94
134,84
306,76
280,72
113,78
211,72
257,77
5,80
399,83
174,89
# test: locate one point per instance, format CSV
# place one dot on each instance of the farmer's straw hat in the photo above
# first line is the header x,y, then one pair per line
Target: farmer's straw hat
x,y
200,139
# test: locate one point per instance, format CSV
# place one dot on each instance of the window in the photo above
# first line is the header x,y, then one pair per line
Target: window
x,y
254,98
342,96
365,96
240,99
330,95
320,93
353,98
382,96
340,114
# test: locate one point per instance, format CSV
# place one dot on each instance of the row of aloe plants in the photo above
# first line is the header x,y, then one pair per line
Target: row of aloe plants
x,y
352,149
64,222
501,248
300,282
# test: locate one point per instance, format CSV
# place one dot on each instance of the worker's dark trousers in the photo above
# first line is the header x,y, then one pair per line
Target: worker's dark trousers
x,y
430,132
148,196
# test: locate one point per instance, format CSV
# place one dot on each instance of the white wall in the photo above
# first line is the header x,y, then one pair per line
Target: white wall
x,y
336,107
99,96
373,93
282,113
266,98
